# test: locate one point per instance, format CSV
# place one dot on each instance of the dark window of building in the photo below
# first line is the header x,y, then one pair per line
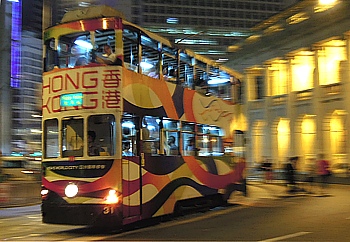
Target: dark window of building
x,y
259,84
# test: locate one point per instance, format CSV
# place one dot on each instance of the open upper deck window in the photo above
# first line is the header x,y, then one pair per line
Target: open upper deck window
x,y
74,50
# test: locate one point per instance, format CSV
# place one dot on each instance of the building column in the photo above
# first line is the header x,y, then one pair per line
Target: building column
x,y
346,84
5,77
318,109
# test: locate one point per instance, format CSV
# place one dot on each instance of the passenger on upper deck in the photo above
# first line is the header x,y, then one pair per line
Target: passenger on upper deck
x,y
111,57
172,75
81,61
165,72
154,71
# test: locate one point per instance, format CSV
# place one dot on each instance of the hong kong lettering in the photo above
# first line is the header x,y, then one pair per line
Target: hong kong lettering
x,y
101,88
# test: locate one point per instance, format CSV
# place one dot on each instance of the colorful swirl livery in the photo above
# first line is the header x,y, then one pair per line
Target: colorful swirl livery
x,y
123,139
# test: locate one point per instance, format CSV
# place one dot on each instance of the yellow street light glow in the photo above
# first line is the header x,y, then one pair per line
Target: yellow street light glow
x,y
327,2
324,5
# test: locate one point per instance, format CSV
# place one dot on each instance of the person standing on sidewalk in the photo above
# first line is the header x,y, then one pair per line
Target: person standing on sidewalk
x,y
267,168
323,171
311,169
290,174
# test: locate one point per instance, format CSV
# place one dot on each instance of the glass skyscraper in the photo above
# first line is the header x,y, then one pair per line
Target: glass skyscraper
x,y
21,77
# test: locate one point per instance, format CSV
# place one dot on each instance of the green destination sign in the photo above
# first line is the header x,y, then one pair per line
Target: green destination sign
x,y
71,99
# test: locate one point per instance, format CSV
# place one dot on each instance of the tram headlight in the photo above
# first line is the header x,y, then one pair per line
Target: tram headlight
x,y
44,193
71,190
112,197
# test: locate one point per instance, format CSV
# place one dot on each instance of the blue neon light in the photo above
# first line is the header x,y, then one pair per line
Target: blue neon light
x,y
16,43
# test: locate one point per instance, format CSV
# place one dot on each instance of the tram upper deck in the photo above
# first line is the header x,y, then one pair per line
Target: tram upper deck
x,y
80,38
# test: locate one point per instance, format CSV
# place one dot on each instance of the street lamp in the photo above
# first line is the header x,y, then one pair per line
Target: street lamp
x,y
327,2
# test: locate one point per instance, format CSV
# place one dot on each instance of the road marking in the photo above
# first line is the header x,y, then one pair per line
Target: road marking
x,y
90,238
288,236
34,216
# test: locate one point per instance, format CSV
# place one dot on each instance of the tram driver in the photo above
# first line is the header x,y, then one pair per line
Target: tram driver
x,y
94,149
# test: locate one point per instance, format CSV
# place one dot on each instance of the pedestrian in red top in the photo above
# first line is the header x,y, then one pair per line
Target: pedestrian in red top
x,y
323,170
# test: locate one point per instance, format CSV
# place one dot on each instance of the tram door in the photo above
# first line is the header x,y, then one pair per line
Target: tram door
x,y
131,166
131,186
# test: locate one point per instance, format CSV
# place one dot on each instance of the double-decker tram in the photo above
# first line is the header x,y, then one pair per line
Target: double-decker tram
x,y
128,132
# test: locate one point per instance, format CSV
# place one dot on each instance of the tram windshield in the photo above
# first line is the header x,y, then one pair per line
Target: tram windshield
x,y
97,139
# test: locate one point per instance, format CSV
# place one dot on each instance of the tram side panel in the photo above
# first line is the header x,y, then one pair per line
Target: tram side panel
x,y
165,181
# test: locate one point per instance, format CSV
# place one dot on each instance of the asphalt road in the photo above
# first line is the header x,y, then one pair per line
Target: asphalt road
x,y
306,217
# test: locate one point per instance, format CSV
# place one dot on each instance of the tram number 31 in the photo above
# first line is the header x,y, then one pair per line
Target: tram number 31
x,y
108,210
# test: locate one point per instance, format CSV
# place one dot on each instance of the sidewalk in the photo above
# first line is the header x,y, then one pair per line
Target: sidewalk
x,y
258,192
19,211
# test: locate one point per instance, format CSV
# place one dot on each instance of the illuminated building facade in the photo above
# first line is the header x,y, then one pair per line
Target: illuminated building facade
x,y
296,82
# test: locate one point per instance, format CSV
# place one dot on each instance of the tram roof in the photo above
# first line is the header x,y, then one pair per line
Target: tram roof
x,y
92,12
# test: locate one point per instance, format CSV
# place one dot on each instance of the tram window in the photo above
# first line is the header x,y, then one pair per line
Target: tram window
x,y
189,145
209,140
217,147
186,75
171,135
128,137
187,127
172,143
186,71
171,124
204,145
104,128
150,56
214,130
170,62
201,128
72,137
51,137
51,58
148,42
103,38
150,135
188,139
131,56
73,48
150,61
